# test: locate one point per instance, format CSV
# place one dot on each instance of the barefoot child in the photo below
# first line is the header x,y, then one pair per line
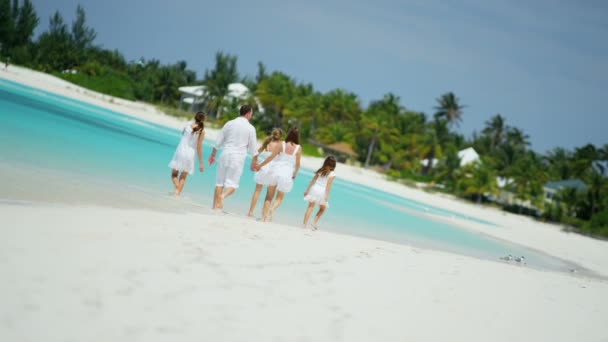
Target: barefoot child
x,y
284,170
317,191
183,158
263,177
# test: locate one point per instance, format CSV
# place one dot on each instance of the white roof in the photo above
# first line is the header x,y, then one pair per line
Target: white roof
x,y
467,156
191,100
193,90
238,90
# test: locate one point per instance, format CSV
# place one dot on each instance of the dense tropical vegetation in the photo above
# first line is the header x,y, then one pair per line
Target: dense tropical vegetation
x,y
405,144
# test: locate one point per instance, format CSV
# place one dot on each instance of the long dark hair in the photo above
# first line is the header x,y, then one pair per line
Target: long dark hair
x,y
275,135
328,166
293,135
199,120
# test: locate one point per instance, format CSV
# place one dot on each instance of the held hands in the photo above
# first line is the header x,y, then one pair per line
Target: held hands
x,y
305,192
254,166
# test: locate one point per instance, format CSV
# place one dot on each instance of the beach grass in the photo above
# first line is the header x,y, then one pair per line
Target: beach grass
x,y
110,83
311,150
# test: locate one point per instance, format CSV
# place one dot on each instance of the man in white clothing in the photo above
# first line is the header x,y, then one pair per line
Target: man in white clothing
x,y
236,138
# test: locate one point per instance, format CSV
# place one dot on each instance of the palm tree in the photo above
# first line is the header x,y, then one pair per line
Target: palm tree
x,y
449,108
341,106
378,122
304,109
584,159
336,132
478,179
529,174
217,80
275,92
517,138
560,163
431,148
495,129
448,166
166,89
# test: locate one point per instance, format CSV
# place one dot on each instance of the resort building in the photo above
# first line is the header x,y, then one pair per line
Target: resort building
x,y
194,98
552,188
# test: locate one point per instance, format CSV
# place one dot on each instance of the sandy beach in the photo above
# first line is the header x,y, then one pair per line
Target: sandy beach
x,y
91,269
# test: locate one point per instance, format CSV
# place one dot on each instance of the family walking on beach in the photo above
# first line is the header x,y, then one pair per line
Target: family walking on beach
x,y
277,171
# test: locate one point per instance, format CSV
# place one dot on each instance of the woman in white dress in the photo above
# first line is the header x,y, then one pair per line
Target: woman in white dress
x,y
189,145
284,170
263,177
317,192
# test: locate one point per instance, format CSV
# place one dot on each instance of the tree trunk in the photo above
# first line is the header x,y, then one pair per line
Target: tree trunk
x,y
429,163
388,165
370,150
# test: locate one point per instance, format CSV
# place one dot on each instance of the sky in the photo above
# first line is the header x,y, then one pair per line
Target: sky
x,y
542,64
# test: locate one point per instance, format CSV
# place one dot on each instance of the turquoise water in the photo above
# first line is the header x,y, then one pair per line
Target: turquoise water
x,y
50,131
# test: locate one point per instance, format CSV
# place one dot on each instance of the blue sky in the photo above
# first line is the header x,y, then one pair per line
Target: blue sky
x,y
542,64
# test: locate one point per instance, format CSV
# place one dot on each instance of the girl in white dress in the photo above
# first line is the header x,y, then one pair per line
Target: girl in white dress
x,y
285,168
317,192
189,145
263,177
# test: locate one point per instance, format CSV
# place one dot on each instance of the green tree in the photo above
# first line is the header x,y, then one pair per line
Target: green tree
x,y
340,106
336,132
304,110
529,176
412,126
378,123
431,148
55,47
7,26
82,35
275,92
560,164
495,129
447,169
218,79
449,108
478,179
26,22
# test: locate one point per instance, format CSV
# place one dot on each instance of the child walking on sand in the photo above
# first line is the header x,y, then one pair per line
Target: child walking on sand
x,y
284,170
264,177
317,192
189,145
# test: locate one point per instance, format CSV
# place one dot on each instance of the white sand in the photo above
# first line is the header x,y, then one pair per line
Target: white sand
x,y
100,274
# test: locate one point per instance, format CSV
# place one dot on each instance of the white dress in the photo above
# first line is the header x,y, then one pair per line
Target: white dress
x,y
317,191
185,153
283,168
264,176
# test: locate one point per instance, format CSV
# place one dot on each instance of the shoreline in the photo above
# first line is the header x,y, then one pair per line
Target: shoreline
x,y
513,228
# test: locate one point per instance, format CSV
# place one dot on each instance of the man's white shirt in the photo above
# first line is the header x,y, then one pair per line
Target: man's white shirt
x,y
237,137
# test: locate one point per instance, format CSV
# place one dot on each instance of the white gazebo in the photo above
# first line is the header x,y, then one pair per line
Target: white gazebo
x,y
240,91
195,96
468,156
192,96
